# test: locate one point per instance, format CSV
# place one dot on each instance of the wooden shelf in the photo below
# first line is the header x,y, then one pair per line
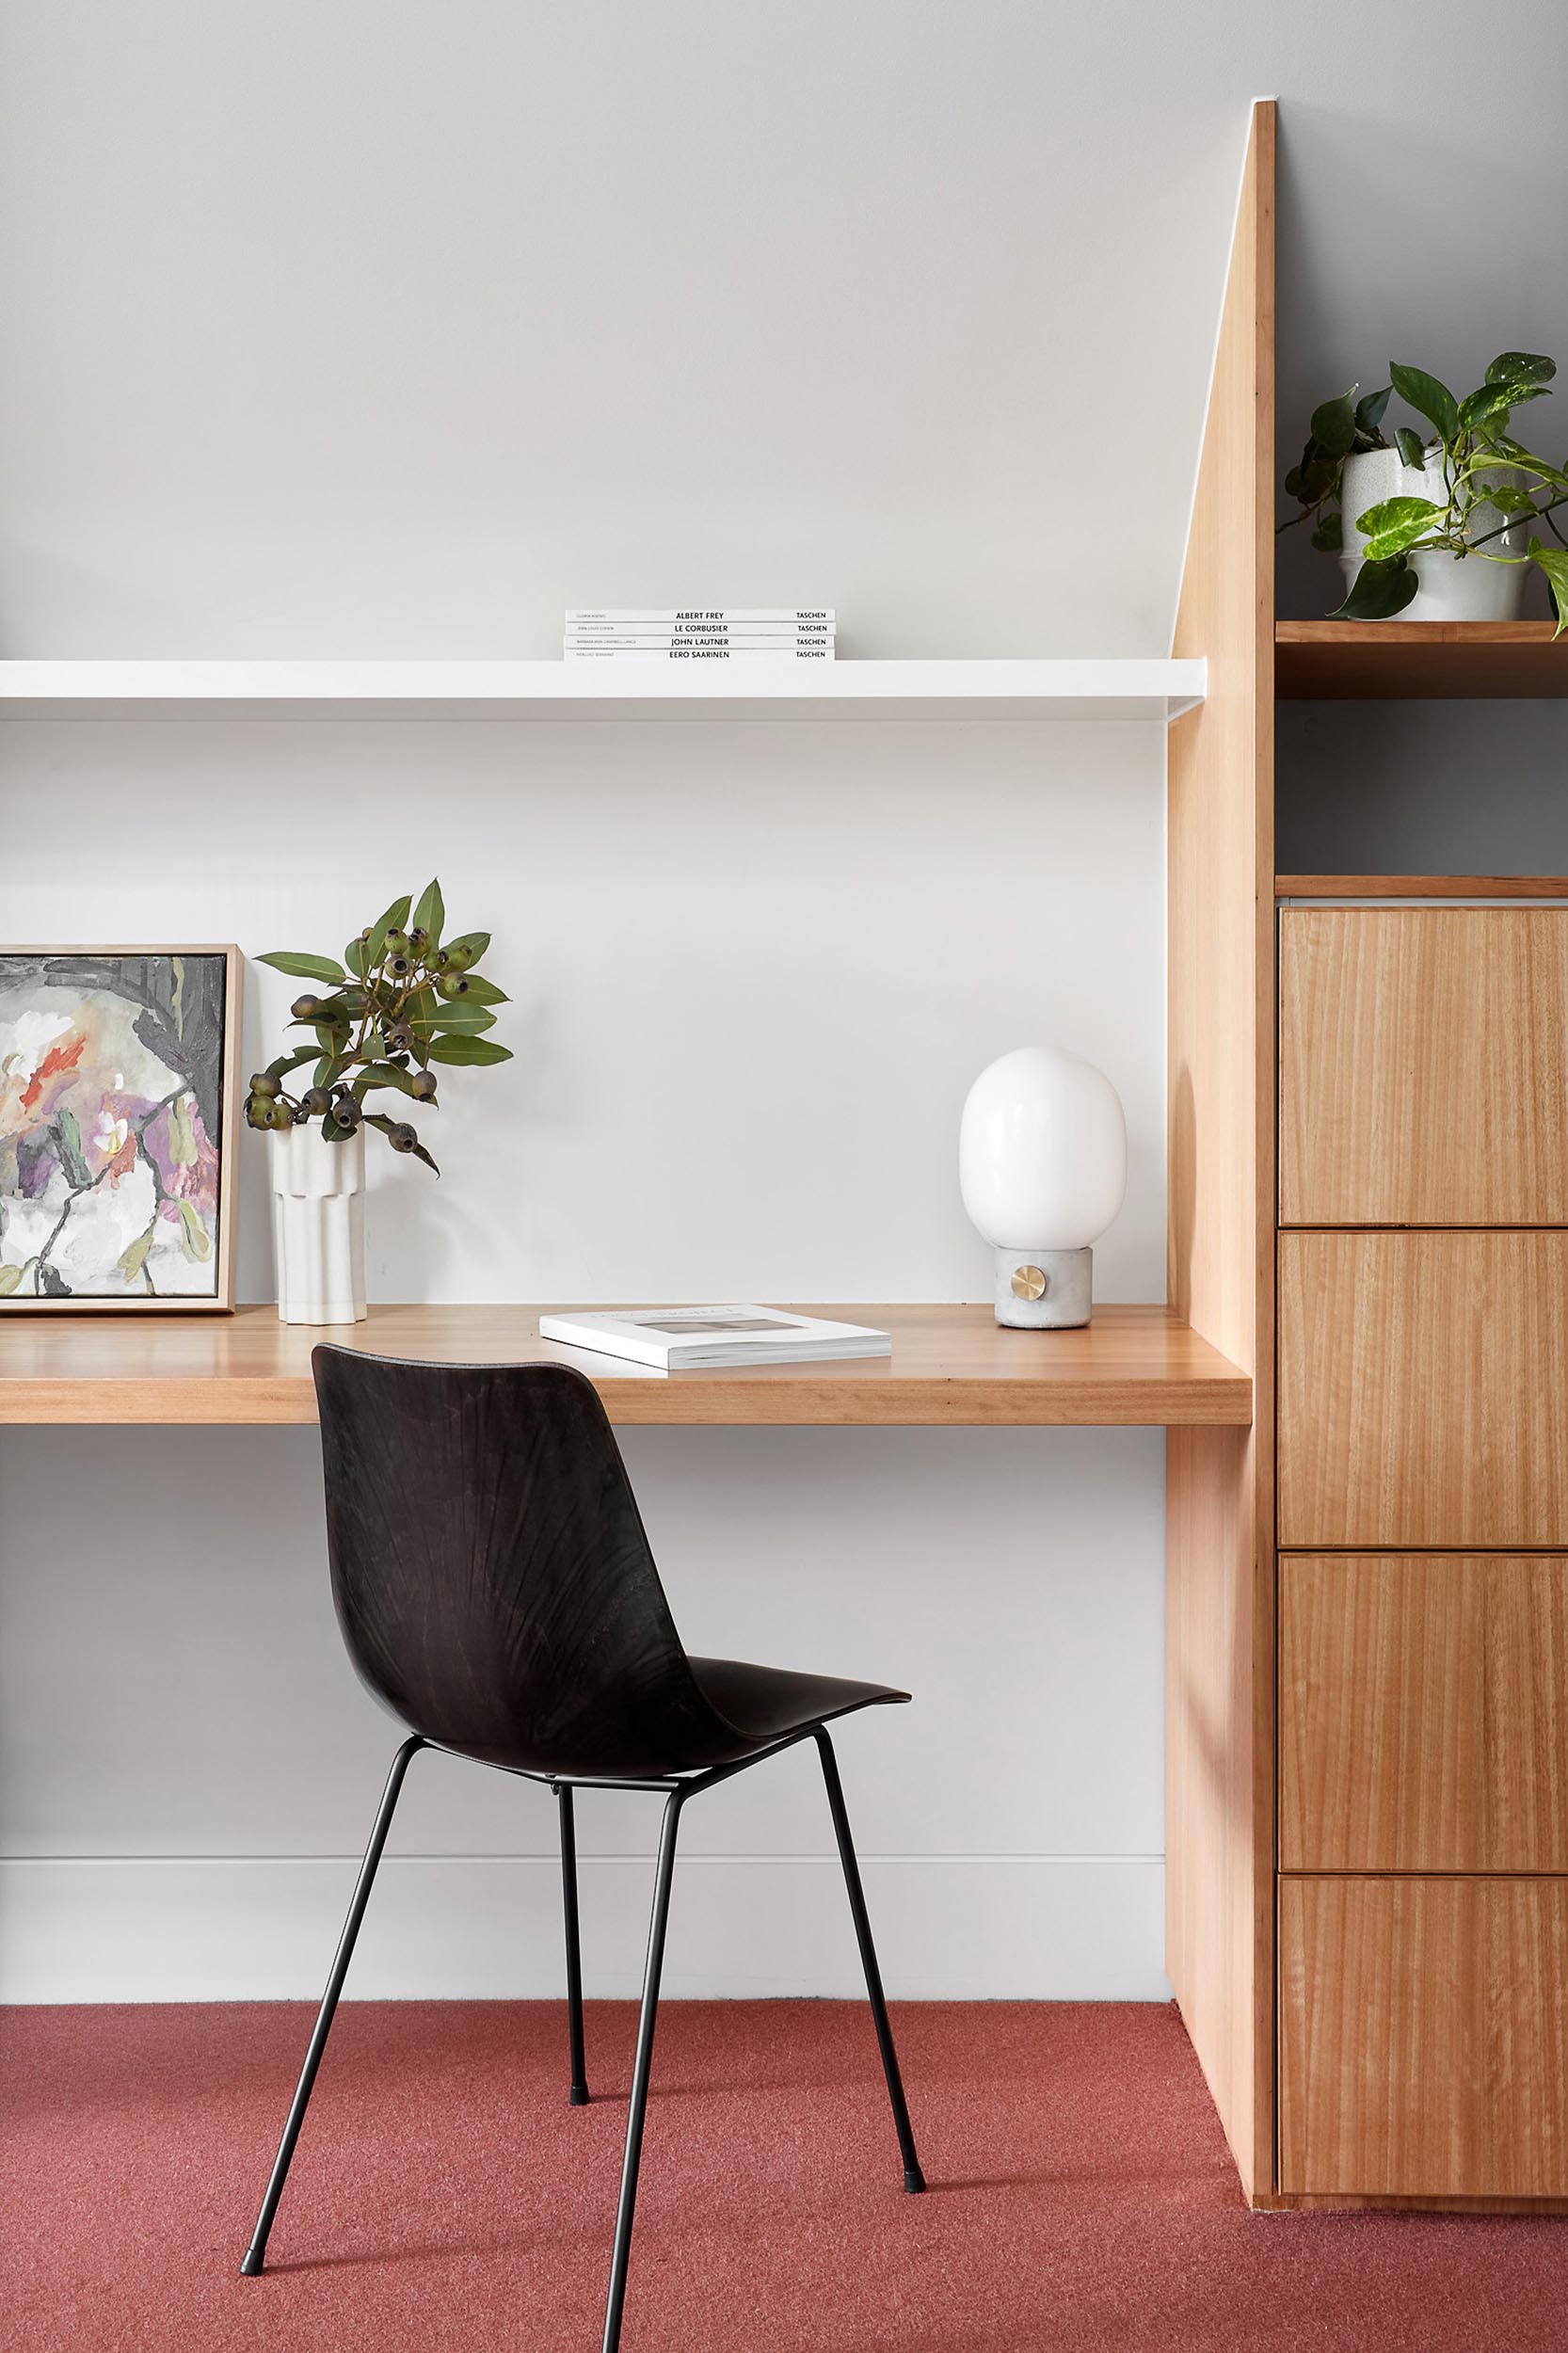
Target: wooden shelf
x,y
950,1366
1421,885
1408,661
1139,689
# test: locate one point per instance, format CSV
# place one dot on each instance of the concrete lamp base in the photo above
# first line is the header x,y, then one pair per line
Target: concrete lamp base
x,y
1043,1290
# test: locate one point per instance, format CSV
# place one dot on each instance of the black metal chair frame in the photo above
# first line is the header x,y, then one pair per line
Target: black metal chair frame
x,y
677,1790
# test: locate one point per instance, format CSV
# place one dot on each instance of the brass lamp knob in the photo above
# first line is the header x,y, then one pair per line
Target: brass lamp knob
x,y
1029,1282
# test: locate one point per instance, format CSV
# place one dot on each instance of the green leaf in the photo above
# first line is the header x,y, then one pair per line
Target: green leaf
x,y
430,914
1490,406
1333,425
1410,446
304,967
1394,524
1378,592
332,1130
285,1062
134,1257
394,920
451,1017
69,1137
1329,534
483,992
1370,408
9,1277
195,1241
1506,498
478,942
384,1074
1521,368
1554,563
1428,397
420,1153
354,958
468,1049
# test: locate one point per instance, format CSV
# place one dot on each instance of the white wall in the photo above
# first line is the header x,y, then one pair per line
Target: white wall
x,y
753,970
397,326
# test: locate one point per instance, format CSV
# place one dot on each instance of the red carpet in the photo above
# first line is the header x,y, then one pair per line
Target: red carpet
x,y
446,2199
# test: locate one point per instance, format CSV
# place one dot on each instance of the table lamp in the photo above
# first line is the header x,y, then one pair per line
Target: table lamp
x,y
1042,1161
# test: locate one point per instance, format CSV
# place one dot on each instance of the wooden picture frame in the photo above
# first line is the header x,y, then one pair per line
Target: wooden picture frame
x,y
80,1122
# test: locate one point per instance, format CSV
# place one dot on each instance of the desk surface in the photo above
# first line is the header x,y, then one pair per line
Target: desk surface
x,y
950,1366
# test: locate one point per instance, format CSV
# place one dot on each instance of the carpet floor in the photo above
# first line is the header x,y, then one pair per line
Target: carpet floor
x,y
446,2199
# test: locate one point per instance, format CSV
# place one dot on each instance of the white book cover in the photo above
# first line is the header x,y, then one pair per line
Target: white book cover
x,y
697,653
636,614
664,634
674,1338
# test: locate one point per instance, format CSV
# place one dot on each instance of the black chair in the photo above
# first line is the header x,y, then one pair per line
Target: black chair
x,y
496,1591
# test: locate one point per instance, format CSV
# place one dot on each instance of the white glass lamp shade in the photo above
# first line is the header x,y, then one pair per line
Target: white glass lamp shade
x,y
1042,1162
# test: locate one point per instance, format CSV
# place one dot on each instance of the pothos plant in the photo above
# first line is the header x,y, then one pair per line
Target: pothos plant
x,y
1489,482
402,998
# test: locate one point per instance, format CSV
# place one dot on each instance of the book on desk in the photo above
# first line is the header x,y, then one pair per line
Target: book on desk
x,y
673,1339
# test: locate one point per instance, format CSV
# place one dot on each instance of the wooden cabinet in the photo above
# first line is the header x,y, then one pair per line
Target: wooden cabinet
x,y
1423,1389
1424,2037
1423,1712
1423,1066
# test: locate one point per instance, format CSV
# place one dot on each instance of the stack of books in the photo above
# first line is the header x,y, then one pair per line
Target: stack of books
x,y
724,634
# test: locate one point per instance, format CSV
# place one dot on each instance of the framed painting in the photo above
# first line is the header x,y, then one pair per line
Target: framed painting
x,y
119,1105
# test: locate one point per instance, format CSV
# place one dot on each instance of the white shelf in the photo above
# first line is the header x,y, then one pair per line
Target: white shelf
x,y
560,690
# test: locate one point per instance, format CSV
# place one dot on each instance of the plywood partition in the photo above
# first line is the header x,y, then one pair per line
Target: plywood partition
x,y
1220,1611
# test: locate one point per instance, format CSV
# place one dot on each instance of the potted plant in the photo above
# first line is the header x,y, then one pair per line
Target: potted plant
x,y
1441,526
402,1002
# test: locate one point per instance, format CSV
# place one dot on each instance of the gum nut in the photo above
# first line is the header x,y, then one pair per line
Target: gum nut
x,y
303,1007
256,1113
451,984
398,967
265,1084
460,958
439,961
315,1102
401,1138
397,943
278,1115
424,1088
418,938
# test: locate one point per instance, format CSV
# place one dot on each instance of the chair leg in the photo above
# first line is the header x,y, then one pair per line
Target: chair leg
x,y
578,2095
615,2300
256,2253
913,2178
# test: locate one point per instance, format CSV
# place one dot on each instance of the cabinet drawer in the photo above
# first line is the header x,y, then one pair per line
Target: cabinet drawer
x,y
1423,1390
1423,1061
1423,1712
1424,2037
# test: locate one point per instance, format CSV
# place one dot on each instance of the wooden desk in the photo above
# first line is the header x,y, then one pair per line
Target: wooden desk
x,y
950,1366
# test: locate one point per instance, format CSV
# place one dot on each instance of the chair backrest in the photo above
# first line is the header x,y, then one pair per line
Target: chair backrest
x,y
492,1577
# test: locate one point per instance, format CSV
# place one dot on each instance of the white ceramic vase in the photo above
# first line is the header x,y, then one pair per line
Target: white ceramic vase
x,y
318,1225
1453,589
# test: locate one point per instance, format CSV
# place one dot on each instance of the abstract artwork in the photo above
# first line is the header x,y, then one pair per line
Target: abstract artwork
x,y
117,1127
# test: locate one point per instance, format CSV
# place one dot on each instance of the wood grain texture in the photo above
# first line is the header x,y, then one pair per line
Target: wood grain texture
x,y
1406,661
950,1366
1423,1066
1422,1381
1423,1712
1421,887
1423,1390
1221,1126
1424,2037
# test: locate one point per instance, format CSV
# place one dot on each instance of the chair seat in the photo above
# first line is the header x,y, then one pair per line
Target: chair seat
x,y
766,1704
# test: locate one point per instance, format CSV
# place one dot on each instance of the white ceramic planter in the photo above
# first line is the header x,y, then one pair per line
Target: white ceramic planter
x,y
1453,589
318,1225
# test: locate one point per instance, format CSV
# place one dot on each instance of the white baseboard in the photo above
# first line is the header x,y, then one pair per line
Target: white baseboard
x,y
953,1928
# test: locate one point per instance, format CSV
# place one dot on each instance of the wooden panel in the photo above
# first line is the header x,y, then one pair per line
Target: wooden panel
x,y
1424,2037
949,1365
1423,1706
1423,1066
1423,1390
1220,1628
1403,660
1421,887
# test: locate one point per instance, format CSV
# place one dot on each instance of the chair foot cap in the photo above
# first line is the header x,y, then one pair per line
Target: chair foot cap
x,y
913,2178
252,2268
577,2096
